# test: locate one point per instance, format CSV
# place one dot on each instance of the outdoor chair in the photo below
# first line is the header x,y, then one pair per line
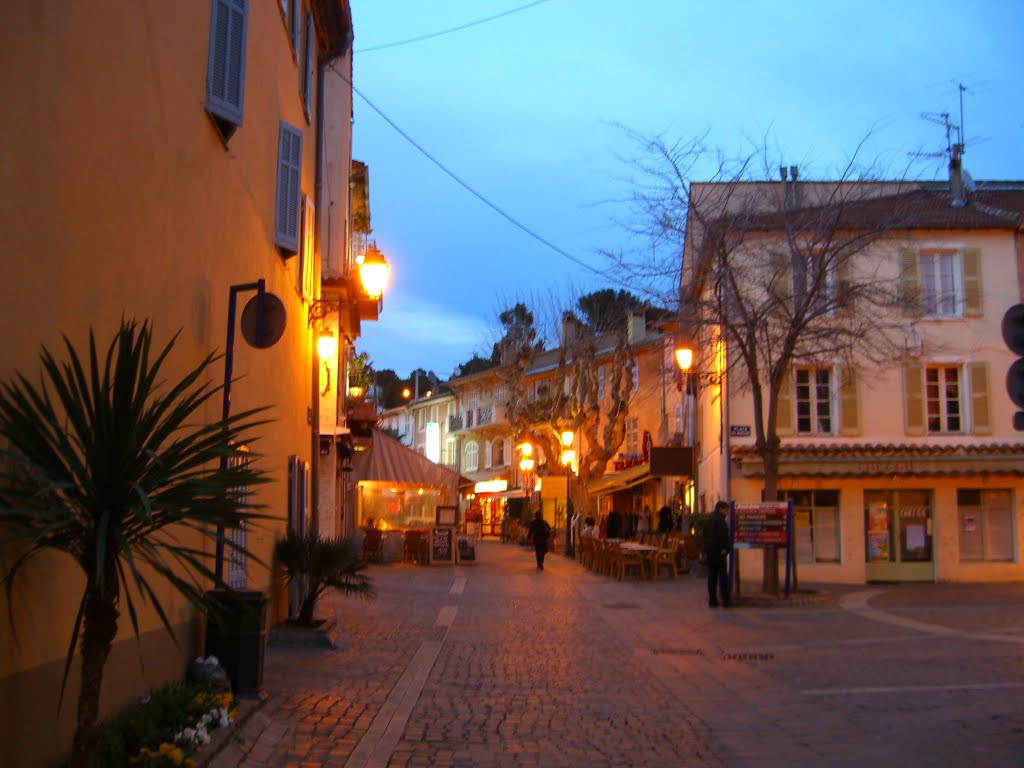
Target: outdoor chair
x,y
373,545
688,552
624,560
664,557
415,543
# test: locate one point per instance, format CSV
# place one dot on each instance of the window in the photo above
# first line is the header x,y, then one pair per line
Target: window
x,y
498,453
816,525
600,382
942,282
238,538
472,458
814,401
632,437
942,398
225,71
421,416
636,376
289,176
307,71
986,525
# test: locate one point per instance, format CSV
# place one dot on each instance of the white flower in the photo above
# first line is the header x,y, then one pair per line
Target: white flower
x,y
212,660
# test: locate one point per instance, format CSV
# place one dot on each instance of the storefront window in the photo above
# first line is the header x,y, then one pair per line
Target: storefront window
x,y
985,519
815,524
398,507
898,526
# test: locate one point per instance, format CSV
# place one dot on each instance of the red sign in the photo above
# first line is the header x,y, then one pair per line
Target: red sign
x,y
758,525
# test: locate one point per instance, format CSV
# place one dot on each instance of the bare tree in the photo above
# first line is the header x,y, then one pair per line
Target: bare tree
x,y
781,273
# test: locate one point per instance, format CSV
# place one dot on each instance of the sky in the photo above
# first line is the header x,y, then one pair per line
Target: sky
x,y
532,110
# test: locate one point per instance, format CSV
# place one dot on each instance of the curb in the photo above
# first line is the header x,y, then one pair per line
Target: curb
x,y
223,737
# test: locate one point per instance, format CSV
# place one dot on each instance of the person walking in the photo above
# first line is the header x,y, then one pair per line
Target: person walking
x,y
717,545
539,533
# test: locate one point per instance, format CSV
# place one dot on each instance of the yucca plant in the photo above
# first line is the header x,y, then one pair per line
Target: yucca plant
x,y
321,563
108,464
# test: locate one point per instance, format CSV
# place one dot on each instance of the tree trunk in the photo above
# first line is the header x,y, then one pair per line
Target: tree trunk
x,y
306,612
99,628
770,568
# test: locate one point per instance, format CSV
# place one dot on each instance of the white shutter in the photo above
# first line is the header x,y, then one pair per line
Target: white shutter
x,y
289,176
225,72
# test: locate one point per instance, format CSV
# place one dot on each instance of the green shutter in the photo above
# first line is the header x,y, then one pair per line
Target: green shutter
x,y
784,406
849,405
910,282
913,399
973,296
981,416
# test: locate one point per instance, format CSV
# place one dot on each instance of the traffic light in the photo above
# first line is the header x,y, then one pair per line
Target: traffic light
x,y
1013,335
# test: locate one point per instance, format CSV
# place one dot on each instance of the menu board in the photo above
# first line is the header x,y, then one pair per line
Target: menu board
x,y
467,547
442,545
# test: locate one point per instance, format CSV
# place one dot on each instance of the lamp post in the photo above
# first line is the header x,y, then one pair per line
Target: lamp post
x,y
567,458
684,359
526,465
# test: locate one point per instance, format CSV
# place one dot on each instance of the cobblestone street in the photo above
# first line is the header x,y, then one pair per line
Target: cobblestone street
x,y
494,664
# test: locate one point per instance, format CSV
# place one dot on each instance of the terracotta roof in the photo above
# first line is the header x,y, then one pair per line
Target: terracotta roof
x,y
925,208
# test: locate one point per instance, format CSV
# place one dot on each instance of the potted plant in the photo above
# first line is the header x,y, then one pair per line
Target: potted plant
x,y
110,464
320,564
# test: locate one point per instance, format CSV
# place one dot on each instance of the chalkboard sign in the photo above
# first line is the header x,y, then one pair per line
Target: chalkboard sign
x,y
441,545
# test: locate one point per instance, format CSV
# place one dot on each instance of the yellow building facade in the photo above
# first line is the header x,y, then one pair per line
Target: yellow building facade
x,y
155,155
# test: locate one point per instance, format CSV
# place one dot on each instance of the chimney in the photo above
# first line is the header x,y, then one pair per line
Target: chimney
x,y
570,329
956,177
636,328
785,191
794,190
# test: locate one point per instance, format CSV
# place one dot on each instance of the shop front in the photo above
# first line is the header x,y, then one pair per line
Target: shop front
x,y
897,513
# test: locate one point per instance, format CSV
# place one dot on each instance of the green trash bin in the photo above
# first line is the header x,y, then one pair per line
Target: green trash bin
x,y
237,636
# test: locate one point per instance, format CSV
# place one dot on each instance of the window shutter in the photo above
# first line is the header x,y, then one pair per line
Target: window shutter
x,y
849,406
981,417
225,71
910,282
973,296
294,23
913,399
289,174
784,406
307,80
487,455
843,286
306,271
781,277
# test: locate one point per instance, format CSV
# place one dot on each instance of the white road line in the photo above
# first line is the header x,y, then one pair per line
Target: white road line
x,y
458,586
446,616
908,689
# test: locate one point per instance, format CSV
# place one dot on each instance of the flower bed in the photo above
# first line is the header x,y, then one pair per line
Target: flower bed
x,y
165,728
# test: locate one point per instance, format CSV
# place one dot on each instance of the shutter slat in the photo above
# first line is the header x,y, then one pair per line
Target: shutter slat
x,y
913,399
784,406
289,183
910,282
225,76
973,295
981,415
849,406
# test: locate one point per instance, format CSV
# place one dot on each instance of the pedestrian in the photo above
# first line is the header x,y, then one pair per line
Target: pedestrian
x,y
717,546
589,529
665,519
539,533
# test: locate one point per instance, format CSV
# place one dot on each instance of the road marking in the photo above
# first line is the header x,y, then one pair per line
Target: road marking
x,y
458,586
909,689
375,748
446,616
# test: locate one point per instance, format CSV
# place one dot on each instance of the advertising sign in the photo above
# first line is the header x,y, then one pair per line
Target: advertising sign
x,y
441,545
759,525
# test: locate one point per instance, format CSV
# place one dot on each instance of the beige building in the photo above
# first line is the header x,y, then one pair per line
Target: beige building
x,y
901,470
156,155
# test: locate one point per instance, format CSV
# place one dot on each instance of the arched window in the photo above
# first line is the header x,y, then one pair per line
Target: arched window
x,y
472,458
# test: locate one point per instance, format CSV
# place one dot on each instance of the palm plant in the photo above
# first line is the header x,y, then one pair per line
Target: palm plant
x,y
321,563
107,465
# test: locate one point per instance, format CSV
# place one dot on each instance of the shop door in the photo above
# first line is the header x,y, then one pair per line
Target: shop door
x,y
491,515
898,535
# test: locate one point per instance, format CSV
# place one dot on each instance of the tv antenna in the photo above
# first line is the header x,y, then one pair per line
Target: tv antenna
x,y
952,129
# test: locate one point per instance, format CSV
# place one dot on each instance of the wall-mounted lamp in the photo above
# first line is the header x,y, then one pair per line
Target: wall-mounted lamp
x,y
326,345
373,271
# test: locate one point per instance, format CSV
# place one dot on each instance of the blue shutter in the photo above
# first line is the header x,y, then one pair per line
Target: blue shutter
x,y
225,73
289,175
307,83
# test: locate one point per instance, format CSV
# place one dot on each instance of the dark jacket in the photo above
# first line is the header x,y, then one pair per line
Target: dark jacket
x,y
538,533
664,520
613,527
716,536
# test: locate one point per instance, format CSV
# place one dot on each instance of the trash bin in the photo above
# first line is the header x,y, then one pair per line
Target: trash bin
x,y
237,636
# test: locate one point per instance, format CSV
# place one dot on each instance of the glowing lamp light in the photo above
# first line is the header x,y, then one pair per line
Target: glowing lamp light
x,y
373,271
526,448
684,358
568,457
567,438
526,465
326,345
406,393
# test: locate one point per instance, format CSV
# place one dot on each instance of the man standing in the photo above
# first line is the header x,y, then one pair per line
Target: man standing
x,y
717,546
539,533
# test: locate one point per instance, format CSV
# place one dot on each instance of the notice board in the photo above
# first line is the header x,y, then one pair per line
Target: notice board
x,y
442,545
759,525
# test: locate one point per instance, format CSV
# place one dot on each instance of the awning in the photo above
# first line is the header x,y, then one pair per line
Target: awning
x,y
388,461
511,493
620,481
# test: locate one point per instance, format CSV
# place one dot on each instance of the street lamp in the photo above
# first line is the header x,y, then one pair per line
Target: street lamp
x,y
567,458
526,465
684,359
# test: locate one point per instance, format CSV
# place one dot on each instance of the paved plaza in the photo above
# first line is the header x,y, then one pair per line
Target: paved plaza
x,y
494,664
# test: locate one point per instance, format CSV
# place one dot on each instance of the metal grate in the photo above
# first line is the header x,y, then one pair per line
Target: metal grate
x,y
748,656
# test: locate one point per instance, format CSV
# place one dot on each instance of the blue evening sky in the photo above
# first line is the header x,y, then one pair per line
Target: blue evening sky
x,y
528,109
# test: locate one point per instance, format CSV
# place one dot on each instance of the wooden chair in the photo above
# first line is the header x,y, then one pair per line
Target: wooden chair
x,y
664,557
414,545
373,545
624,560
587,552
688,552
